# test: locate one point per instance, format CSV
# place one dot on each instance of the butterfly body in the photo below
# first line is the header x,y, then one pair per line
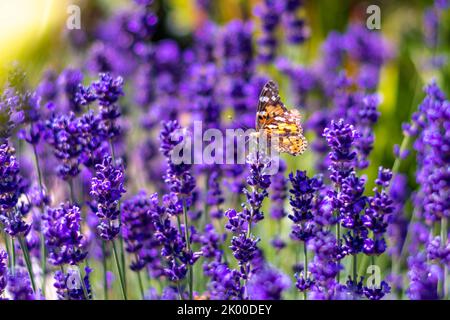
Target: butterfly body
x,y
275,120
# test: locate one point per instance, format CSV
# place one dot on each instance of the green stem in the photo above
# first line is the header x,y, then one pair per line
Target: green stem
x,y
83,285
355,269
8,250
181,232
180,294
141,286
43,248
305,267
296,258
26,256
278,232
105,274
444,231
38,168
122,259
13,256
72,194
373,262
249,228
43,252
116,258
121,245
398,160
188,247
338,238
206,217
113,153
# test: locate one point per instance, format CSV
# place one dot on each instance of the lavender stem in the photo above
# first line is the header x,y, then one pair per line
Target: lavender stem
x,y
305,267
338,238
13,256
355,268
141,287
43,249
122,250
105,275
122,284
72,195
83,286
188,247
26,256
444,230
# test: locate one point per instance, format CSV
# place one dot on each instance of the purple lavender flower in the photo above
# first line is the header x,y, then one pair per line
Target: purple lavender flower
x,y
244,249
108,90
139,232
178,176
377,214
107,189
268,284
173,246
63,237
48,88
301,200
214,196
225,283
18,105
278,188
68,83
104,58
170,293
10,189
431,22
423,279
92,139
236,51
278,195
398,225
437,251
211,243
351,203
377,293
367,117
3,271
325,265
258,181
203,88
433,147
65,136
243,242
428,127
296,29
69,287
340,138
401,154
366,46
303,282
19,285
348,197
269,13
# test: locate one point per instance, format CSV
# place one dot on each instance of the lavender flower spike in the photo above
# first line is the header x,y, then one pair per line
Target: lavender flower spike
x,y
107,189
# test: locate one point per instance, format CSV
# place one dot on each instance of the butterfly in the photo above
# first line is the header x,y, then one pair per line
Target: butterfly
x,y
274,119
